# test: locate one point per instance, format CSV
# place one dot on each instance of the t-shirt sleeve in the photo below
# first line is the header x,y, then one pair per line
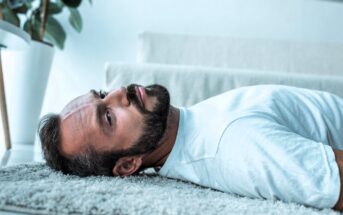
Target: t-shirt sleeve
x,y
259,157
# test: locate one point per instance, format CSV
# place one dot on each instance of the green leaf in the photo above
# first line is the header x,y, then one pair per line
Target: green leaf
x,y
12,4
32,27
22,9
54,32
11,17
27,26
75,19
55,8
72,3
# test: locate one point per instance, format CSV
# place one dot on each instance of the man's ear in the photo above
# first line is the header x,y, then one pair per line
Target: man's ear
x,y
127,165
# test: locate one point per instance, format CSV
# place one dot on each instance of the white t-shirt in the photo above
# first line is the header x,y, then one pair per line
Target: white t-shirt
x,y
263,141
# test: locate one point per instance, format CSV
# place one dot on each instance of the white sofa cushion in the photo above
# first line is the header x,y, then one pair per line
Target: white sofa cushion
x,y
191,84
260,54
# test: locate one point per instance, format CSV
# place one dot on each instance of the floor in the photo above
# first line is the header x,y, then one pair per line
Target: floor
x,y
19,153
9,213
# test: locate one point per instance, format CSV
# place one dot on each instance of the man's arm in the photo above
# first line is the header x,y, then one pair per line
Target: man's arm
x,y
339,160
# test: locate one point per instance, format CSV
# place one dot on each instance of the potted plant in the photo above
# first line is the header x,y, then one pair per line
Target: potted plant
x,y
26,72
39,18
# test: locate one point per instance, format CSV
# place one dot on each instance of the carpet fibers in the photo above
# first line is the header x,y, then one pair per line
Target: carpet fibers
x,y
34,188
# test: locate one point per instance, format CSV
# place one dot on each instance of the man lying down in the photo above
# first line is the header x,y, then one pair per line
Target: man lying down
x,y
266,141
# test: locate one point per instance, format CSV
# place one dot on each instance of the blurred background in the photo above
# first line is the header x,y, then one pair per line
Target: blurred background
x,y
111,28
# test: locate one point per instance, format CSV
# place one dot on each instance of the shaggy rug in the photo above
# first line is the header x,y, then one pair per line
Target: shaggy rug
x,y
34,188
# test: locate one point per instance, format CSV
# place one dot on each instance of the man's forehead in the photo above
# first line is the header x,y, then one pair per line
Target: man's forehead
x,y
76,105
76,123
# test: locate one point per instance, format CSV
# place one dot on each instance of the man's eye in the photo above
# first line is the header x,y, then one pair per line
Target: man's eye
x,y
109,118
102,94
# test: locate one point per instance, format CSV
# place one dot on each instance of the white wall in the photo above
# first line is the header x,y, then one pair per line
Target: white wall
x,y
111,28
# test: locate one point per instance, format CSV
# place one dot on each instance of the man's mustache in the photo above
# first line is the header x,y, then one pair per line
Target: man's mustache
x,y
133,98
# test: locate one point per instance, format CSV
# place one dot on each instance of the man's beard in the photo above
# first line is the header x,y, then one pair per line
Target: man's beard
x,y
154,122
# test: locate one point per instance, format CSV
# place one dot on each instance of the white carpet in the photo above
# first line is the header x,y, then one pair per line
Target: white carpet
x,y
34,188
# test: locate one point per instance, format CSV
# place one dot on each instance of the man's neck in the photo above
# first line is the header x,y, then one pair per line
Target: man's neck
x,y
157,157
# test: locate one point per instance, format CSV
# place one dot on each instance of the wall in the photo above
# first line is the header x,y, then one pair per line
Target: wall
x,y
111,28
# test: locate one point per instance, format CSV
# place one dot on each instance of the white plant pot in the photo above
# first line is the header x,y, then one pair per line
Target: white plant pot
x,y
26,75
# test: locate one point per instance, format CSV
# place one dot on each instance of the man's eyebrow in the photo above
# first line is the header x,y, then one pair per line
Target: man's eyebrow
x,y
95,93
99,112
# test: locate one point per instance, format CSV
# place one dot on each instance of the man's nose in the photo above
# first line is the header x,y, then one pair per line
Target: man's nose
x,y
118,96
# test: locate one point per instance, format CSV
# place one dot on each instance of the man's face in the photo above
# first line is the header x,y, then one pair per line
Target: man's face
x,y
126,118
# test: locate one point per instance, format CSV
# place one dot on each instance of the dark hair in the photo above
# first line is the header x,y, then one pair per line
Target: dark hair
x,y
86,163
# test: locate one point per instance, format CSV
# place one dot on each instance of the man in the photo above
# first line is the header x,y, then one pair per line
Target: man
x,y
267,141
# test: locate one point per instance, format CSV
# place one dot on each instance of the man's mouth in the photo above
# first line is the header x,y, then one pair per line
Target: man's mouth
x,y
140,93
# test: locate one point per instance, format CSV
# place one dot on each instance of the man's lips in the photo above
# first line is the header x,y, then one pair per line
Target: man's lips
x,y
141,94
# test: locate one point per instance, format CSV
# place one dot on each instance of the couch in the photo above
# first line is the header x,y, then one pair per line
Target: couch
x,y
195,67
